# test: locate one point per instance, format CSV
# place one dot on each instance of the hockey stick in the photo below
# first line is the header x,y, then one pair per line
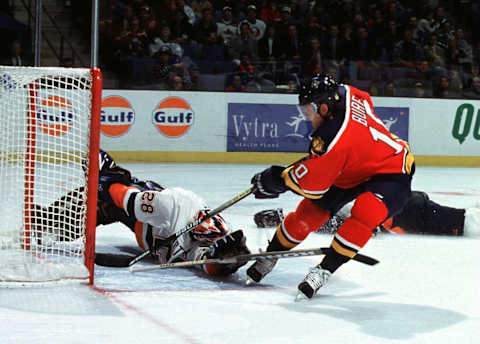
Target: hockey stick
x,y
253,256
116,261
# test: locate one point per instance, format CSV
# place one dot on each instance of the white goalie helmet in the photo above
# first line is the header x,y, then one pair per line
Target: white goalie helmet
x,y
211,229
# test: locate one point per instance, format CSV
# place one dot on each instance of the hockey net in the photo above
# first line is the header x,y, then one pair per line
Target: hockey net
x,y
49,132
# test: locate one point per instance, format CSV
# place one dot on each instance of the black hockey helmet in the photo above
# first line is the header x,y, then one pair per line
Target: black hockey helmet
x,y
319,90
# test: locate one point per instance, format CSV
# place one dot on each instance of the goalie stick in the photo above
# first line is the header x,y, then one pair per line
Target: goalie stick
x,y
253,256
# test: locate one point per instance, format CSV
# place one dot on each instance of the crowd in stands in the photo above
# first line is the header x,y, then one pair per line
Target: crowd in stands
x,y
421,48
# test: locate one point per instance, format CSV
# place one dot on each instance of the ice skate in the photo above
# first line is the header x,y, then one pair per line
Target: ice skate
x,y
260,269
471,227
315,279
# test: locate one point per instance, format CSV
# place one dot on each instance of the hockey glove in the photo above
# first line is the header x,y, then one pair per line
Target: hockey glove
x,y
269,183
114,175
268,218
106,163
230,245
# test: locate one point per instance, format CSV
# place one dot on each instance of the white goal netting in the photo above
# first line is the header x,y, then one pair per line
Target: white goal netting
x,y
44,145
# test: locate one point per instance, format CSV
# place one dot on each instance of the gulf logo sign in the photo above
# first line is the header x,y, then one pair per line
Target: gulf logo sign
x,y
54,115
173,117
117,116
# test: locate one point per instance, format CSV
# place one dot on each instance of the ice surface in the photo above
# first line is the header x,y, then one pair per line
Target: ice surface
x,y
424,290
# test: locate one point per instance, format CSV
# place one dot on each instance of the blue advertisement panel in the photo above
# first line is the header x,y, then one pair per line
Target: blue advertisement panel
x,y
283,128
395,119
267,128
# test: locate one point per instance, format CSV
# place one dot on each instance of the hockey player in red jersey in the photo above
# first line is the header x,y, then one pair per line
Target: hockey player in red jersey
x,y
154,213
353,156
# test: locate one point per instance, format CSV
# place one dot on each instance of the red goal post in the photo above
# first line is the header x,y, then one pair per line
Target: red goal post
x,y
49,146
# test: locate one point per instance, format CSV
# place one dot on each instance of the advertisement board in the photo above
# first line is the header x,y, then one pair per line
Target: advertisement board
x,y
283,128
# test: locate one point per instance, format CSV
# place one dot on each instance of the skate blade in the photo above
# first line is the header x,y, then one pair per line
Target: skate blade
x,y
301,297
250,281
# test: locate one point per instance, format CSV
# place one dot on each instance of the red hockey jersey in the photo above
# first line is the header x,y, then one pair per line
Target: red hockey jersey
x,y
361,148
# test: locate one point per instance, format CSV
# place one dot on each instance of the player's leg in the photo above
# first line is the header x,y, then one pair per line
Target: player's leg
x,y
382,198
292,231
421,215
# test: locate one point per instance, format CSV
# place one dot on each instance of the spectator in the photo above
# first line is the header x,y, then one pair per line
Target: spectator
x,y
246,68
331,45
181,5
312,58
236,85
456,84
292,84
244,42
474,91
126,18
259,83
364,47
311,29
181,32
269,45
390,89
133,41
427,25
204,27
164,10
474,71
193,85
395,13
373,89
391,39
17,57
291,45
176,83
226,27
270,13
147,19
407,51
419,90
199,6
285,21
162,68
273,70
164,38
442,88
462,51
345,48
257,27
211,49
435,53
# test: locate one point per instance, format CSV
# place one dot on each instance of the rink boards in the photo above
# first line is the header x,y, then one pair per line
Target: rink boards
x,y
163,126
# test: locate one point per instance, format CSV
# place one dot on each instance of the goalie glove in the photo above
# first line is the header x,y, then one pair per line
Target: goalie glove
x,y
105,163
269,183
230,245
268,218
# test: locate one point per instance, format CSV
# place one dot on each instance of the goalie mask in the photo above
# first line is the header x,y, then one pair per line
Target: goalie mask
x,y
211,229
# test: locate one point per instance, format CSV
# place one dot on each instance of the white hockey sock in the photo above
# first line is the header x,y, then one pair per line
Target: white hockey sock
x,y
471,227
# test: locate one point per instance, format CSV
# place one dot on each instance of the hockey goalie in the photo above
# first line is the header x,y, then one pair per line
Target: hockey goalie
x,y
154,213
